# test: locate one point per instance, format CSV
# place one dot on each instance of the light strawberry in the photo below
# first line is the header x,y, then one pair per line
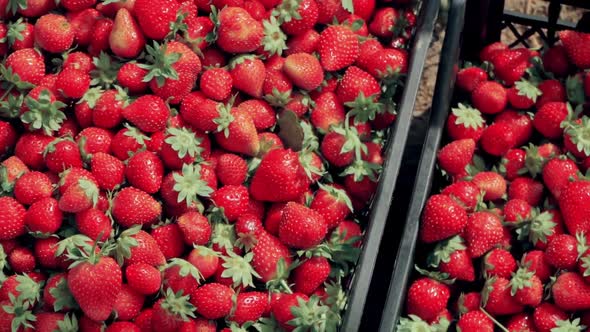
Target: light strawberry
x,y
338,48
238,32
126,39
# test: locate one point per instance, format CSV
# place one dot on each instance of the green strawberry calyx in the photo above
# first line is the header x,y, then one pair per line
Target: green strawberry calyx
x,y
106,71
22,311
274,40
238,268
443,250
287,11
124,243
224,235
313,315
14,32
528,89
186,269
364,108
184,142
44,114
224,120
468,117
521,279
579,133
12,7
541,226
159,64
568,326
178,305
63,297
189,185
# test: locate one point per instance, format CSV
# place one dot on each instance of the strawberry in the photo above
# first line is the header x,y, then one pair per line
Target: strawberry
x,y
18,30
557,173
355,86
563,251
455,156
237,132
279,169
464,192
493,184
205,260
155,17
512,163
338,48
200,112
72,83
44,216
54,33
570,292
426,298
10,170
127,141
80,196
574,214
131,76
195,228
123,327
128,303
551,91
328,111
297,17
143,278
107,170
483,231
311,274
575,44
82,23
21,260
250,306
465,122
548,119
216,83
526,287
158,113
555,60
489,97
442,218
385,22
56,295
388,63
99,36
521,322
526,189
92,140
238,32
232,200
262,114
182,188
29,149
95,224
183,146
108,108
332,203
8,137
87,324
340,146
51,321
523,95
306,42
28,64
169,239
31,187
171,311
475,321
468,79
510,65
497,299
231,169
71,176
546,317
95,284
516,210
248,75
132,206
451,257
213,300
145,171
499,263
146,250
61,154
301,227
304,70
77,5
126,39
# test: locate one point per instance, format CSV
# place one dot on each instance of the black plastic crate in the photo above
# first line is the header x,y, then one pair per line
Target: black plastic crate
x,y
396,142
472,24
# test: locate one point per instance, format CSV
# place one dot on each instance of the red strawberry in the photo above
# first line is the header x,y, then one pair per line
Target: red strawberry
x,y
499,263
443,217
72,83
248,75
108,171
169,239
200,112
183,146
455,156
575,44
146,251
238,32
521,123
131,76
29,149
387,63
149,113
468,79
570,292
465,192
475,321
213,300
516,210
41,104
232,200
80,196
123,327
279,169
231,169
521,322
145,171
427,298
555,60
355,85
328,111
562,251
128,303
92,140
21,260
31,187
311,274
332,203
171,311
512,163
547,315
108,108
304,70
261,112
44,216
95,285
56,295
526,287
237,132
250,306
28,64
61,154
54,33
557,173
82,23
99,36
155,17
526,189
551,91
465,122
301,227
216,83
482,232
195,228
497,299
548,119
385,22
510,65
132,206
298,17
340,146
338,48
575,214
489,97
306,42
95,224
452,258
126,39
127,141
493,184
143,278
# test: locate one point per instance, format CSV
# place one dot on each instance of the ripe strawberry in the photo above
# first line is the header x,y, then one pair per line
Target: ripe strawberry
x,y
108,108
250,306
31,187
56,295
20,29
311,274
28,64
563,251
238,32
231,169
248,75
10,170
387,63
279,169
99,36
183,146
169,239
475,321
143,278
205,260
82,23
548,119
332,203
61,154
262,114
517,210
306,42
298,17
237,132
551,91
512,163
385,21
427,298
526,287
127,141
54,33
555,60
355,86
146,251
523,95
128,303
575,44
216,83
557,173
80,196
145,171
95,285
443,217
95,224
526,189
123,327
547,315
71,176
92,140
72,83
200,112
108,171
304,70
574,214
328,111
497,299
468,79
493,184
464,192
132,206
340,146
131,76
171,311
21,260
455,156
489,97
510,65
155,17
338,48
213,300
301,227
450,256
465,122
126,39
499,263
570,292
233,200
44,216
483,231
195,228
148,113
521,322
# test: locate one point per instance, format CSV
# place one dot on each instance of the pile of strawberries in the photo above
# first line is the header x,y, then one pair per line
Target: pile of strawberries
x,y
190,165
508,237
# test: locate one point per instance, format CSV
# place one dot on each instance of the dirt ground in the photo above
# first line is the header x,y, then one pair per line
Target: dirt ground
x,y
536,7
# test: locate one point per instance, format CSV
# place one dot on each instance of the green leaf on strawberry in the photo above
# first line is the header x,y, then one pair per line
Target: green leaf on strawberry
x,y
105,73
274,40
63,296
159,64
238,268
